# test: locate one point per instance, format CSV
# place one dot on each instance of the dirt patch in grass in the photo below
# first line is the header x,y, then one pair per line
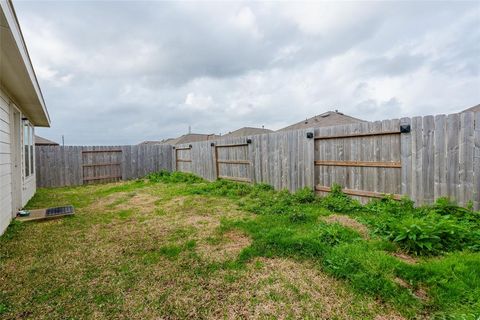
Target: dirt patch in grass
x,y
202,213
389,317
174,203
420,293
404,257
108,201
139,202
227,247
348,222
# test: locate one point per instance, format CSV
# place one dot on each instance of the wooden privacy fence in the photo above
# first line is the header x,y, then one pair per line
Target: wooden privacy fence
x,y
423,158
76,165
280,159
101,165
183,159
232,161
365,159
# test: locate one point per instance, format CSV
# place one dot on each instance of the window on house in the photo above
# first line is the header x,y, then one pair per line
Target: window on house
x,y
28,149
32,152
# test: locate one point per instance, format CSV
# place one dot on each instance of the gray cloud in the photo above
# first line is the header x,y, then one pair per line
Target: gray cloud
x,y
123,72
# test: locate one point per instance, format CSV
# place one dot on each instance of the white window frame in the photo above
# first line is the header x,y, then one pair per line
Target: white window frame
x,y
28,149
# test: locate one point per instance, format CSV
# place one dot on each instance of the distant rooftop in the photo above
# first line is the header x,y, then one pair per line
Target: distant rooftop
x,y
327,119
473,109
151,142
191,137
247,131
40,141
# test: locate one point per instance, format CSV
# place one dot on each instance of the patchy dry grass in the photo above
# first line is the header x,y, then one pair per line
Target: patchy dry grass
x,y
176,247
348,222
140,250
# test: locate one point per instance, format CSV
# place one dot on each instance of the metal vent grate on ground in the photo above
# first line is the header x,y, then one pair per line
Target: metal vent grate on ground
x,y
50,212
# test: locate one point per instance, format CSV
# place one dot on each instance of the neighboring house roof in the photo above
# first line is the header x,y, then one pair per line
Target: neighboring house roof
x,y
247,131
150,142
192,137
472,109
17,76
327,119
40,141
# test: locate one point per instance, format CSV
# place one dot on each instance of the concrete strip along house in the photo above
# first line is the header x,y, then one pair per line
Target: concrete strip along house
x,y
21,109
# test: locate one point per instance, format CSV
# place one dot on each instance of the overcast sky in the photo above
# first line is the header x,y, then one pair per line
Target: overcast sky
x,y
124,72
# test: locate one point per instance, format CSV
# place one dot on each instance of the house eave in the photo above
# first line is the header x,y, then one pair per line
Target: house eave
x,y
17,75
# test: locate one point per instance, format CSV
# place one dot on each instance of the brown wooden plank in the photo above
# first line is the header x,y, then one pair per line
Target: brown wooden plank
x,y
101,164
217,172
378,164
104,151
235,178
183,148
183,160
355,135
101,178
361,193
235,161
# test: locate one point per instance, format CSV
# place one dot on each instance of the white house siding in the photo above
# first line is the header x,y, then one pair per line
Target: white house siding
x,y
5,165
28,184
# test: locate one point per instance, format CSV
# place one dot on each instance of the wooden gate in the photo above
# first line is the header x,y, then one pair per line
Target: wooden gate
x,y
183,159
232,162
101,165
366,163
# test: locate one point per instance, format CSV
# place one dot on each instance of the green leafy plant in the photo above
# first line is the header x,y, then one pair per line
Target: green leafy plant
x,y
174,177
388,205
432,234
298,216
305,195
338,201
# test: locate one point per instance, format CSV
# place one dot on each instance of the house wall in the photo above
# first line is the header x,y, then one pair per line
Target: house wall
x,y
5,164
7,149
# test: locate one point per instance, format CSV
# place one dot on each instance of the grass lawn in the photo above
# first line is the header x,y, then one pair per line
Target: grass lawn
x,y
177,247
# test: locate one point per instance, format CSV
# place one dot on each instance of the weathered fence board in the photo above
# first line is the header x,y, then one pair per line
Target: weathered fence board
x,y
476,161
444,157
69,166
